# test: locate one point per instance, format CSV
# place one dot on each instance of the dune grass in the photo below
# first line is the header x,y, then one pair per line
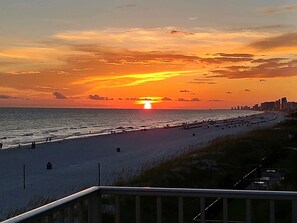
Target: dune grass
x,y
220,165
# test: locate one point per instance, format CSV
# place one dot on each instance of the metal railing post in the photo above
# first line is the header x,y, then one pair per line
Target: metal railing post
x,y
248,211
202,210
225,210
137,209
60,216
71,214
99,201
159,210
294,211
50,218
80,211
180,210
272,211
93,209
117,209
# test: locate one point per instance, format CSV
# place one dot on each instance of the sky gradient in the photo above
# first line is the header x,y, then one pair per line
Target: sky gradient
x,y
193,54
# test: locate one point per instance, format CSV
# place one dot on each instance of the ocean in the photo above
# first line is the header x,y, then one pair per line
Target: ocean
x,y
25,125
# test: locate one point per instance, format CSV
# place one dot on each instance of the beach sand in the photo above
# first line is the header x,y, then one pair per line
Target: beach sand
x,y
75,161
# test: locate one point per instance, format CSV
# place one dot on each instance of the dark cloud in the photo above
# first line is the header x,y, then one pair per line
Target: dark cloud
x,y
262,80
97,97
235,55
5,97
276,60
220,60
179,32
145,99
191,100
202,81
195,99
247,90
184,91
166,99
284,40
182,99
126,6
59,95
280,9
228,92
131,99
228,57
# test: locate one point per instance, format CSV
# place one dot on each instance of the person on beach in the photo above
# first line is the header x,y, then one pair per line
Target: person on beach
x,y
1,145
33,145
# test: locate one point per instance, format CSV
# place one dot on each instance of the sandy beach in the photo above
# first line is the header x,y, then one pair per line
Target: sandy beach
x,y
75,161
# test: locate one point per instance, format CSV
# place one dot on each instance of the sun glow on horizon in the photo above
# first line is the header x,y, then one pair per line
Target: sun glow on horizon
x,y
189,62
147,105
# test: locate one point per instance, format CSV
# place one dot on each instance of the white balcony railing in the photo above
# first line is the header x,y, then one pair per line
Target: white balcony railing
x,y
63,210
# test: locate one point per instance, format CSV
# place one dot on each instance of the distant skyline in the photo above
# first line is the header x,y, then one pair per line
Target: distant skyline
x,y
193,54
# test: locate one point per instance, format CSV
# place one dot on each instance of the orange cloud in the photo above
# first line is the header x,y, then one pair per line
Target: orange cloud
x,y
128,63
127,80
268,69
285,40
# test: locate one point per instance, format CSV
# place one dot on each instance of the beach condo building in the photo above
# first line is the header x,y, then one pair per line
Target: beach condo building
x,y
284,103
278,105
268,106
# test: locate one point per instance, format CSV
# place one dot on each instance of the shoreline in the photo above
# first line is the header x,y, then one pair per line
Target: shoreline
x,y
24,136
75,161
120,130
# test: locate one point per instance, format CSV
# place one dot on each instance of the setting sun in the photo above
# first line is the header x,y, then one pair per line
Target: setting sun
x,y
147,105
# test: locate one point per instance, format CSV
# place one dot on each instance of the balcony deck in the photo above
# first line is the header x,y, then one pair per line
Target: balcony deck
x,y
63,210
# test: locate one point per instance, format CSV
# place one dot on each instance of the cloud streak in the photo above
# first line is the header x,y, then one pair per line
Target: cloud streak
x,y
284,40
188,100
267,69
179,32
126,6
99,98
279,9
6,97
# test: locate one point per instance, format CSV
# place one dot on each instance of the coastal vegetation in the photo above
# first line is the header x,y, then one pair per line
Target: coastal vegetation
x,y
220,165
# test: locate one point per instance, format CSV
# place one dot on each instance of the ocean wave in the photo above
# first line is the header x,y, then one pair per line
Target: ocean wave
x,y
103,123
121,127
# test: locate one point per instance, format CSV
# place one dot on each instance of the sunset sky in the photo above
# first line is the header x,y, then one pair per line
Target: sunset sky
x,y
185,54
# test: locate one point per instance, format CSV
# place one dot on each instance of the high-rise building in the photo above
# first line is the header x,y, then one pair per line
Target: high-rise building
x,y
265,106
278,105
283,103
